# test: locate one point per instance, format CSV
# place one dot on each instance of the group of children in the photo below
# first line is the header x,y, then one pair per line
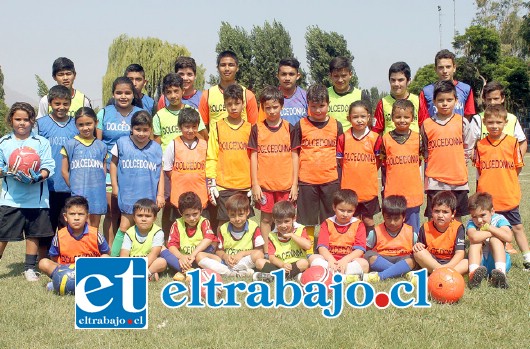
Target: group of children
x,y
305,159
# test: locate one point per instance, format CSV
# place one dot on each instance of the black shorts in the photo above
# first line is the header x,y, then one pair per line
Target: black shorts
x,y
368,208
222,214
57,200
512,216
461,202
17,224
315,202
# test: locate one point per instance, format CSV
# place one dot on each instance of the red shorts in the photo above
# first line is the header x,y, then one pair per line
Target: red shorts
x,y
271,197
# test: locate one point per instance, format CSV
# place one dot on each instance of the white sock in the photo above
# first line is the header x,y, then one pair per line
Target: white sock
x,y
473,267
501,266
354,268
526,257
320,261
244,263
208,263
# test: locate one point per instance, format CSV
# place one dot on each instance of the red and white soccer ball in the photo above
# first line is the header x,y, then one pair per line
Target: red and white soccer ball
x,y
23,159
446,285
206,274
317,273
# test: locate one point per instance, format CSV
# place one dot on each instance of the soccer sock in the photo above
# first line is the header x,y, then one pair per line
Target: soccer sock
x,y
395,270
526,257
310,230
208,263
501,266
320,261
354,268
380,264
268,267
171,259
31,261
116,244
473,267
294,271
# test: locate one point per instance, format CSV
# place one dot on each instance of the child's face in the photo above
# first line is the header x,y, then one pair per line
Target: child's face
x,y
359,118
445,103
445,69
398,85
60,107
494,125
189,131
239,218
272,109
144,219
21,124
340,78
141,134
174,95
344,212
288,76
227,69
85,125
191,216
76,217
65,78
481,216
234,107
442,216
188,76
318,110
393,223
284,226
123,95
494,98
138,80
402,119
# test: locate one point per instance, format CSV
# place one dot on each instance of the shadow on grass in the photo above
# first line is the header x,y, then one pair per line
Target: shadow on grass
x,y
15,269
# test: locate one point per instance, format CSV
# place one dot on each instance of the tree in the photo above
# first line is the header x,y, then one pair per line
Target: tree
x,y
321,47
424,76
524,31
513,73
3,106
375,96
156,56
42,89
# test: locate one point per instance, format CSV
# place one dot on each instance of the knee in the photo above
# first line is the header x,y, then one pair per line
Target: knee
x,y
302,264
266,218
363,263
256,254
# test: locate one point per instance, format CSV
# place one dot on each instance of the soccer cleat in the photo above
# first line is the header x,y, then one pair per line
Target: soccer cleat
x,y
510,249
526,265
498,279
372,277
179,277
412,278
348,279
31,275
265,277
476,277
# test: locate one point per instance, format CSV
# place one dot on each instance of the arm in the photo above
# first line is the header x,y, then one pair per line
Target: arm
x,y
160,198
157,139
379,118
252,108
293,195
256,189
99,134
204,110
114,176
457,258
153,255
65,170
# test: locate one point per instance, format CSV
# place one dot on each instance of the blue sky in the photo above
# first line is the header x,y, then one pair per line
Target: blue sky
x,y
378,33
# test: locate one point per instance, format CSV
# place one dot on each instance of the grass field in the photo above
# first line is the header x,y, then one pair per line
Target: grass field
x,y
484,318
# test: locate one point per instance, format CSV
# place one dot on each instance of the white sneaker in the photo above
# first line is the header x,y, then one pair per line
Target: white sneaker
x,y
244,273
31,275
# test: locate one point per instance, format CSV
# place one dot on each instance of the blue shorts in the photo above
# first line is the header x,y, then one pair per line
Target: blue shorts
x,y
489,263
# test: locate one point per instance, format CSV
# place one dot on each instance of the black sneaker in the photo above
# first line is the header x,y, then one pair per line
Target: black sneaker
x,y
498,279
265,277
526,266
477,276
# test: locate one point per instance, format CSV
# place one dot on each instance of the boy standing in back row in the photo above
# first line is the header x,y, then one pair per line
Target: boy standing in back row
x,y
186,68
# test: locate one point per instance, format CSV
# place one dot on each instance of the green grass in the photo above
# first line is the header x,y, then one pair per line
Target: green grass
x,y
484,318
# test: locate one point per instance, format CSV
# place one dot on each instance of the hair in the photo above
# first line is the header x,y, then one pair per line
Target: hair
x,y
400,67
61,64
341,62
134,68
445,197
361,104
172,80
189,116
317,93
59,91
271,93
444,54
395,205
480,200
227,53
21,106
237,202
189,200
403,104
76,201
283,209
141,118
233,91
145,205
86,111
498,111
185,62
289,62
123,80
347,196
492,86
443,87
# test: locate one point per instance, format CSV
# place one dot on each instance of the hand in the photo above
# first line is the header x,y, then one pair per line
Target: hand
x,y
5,172
287,266
23,178
184,263
341,266
485,227
256,193
293,194
160,201
213,193
418,247
36,176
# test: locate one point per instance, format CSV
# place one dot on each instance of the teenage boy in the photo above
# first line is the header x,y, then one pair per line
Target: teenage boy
x,y
186,68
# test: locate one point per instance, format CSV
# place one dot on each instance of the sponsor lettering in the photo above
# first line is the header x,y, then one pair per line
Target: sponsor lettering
x,y
274,148
319,142
403,160
123,127
235,145
290,254
293,111
189,166
138,163
502,164
86,163
359,157
445,142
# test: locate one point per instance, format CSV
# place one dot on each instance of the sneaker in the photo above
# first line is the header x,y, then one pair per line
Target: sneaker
x,y
526,265
265,277
348,279
498,279
153,277
476,277
510,249
412,278
179,277
49,286
372,277
245,273
31,275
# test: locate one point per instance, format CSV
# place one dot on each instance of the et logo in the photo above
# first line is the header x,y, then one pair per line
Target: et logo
x,y
111,293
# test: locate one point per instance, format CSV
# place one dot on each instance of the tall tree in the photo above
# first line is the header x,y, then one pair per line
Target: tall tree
x,y
321,47
42,88
424,76
524,32
3,106
156,56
